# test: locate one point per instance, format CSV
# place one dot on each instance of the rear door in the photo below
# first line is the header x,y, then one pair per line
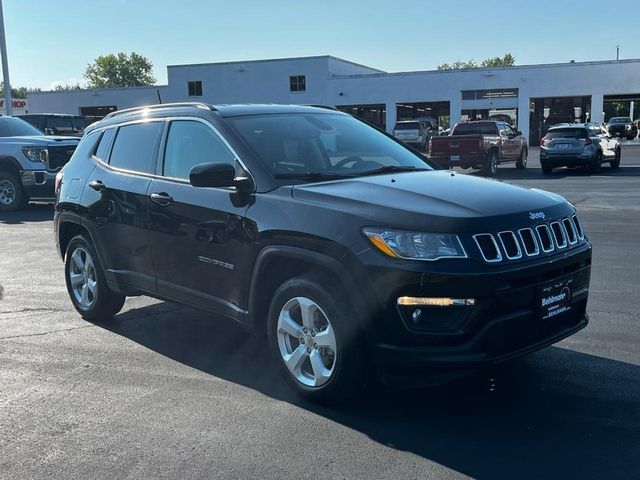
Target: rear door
x,y
197,234
118,201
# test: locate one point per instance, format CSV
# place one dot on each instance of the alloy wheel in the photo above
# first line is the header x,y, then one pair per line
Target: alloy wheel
x,y
7,192
82,277
307,342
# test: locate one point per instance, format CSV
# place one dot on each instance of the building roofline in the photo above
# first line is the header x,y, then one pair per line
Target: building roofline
x,y
97,90
491,69
269,60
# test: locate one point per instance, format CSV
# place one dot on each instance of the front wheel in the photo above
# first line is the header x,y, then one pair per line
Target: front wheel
x,y
491,165
12,195
314,340
522,161
86,283
615,163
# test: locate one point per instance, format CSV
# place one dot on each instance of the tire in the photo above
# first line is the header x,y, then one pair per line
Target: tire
x,y
521,163
615,163
12,195
491,164
596,163
546,169
329,370
86,283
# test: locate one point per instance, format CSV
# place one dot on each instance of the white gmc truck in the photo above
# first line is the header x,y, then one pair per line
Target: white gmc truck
x,y
29,161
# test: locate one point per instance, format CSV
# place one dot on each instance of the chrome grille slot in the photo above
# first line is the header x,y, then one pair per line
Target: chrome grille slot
x,y
578,225
529,242
488,247
544,235
572,237
558,234
510,245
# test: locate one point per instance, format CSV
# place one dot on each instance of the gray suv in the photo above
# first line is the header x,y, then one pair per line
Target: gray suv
x,y
578,145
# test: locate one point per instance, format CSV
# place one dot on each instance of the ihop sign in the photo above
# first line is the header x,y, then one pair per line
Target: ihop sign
x,y
19,106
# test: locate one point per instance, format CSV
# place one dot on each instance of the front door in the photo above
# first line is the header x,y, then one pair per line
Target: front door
x,y
197,234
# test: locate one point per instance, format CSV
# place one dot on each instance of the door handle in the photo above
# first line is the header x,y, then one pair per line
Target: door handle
x,y
162,199
97,185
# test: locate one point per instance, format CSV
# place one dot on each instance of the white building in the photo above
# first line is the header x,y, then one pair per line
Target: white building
x,y
575,91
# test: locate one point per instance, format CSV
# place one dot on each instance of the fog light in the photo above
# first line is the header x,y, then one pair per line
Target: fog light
x,y
436,302
416,315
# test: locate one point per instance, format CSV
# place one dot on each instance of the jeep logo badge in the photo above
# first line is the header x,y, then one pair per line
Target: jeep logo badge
x,y
537,215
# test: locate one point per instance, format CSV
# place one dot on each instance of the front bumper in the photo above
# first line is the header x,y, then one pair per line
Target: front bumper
x,y
505,323
38,184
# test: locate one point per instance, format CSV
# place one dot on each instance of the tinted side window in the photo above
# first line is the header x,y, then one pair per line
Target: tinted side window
x,y
135,147
105,142
190,143
86,146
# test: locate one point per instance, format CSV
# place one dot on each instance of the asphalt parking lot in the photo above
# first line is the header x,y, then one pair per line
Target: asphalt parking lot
x,y
168,392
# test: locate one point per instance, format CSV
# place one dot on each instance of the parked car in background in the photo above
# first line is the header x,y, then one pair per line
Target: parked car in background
x,y
416,132
480,144
342,248
579,145
56,123
622,127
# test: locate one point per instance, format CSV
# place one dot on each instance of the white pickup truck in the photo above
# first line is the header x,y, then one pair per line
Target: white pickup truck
x,y
29,161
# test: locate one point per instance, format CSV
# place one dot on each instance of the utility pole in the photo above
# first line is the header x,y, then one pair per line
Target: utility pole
x,y
617,50
5,66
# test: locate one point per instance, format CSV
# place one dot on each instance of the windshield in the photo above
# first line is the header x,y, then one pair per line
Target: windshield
x,y
567,133
475,129
15,127
329,145
619,120
407,126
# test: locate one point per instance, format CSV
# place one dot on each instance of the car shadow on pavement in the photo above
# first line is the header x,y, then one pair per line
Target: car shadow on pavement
x,y
34,212
556,413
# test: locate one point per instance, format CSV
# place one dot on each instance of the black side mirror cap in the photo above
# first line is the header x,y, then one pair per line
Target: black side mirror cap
x,y
218,175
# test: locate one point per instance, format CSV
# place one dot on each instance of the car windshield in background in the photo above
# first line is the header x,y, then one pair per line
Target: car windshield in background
x,y
323,146
475,129
619,120
15,127
407,126
567,133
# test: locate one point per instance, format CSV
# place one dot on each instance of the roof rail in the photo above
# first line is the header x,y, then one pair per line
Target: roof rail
x,y
326,107
159,105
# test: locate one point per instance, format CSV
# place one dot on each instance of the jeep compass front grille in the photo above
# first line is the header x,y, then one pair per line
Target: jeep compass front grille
x,y
542,239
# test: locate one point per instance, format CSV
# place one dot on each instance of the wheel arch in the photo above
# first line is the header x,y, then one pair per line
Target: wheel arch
x,y
278,263
10,164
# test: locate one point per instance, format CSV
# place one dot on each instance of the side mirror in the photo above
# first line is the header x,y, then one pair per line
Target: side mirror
x,y
217,175
518,133
49,131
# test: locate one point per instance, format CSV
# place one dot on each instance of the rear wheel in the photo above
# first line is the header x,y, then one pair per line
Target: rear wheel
x,y
491,165
522,161
615,163
12,195
86,283
315,341
596,163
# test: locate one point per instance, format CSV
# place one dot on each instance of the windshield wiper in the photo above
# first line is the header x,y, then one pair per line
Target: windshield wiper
x,y
393,169
313,176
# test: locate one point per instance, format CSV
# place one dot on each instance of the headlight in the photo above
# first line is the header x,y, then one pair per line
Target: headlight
x,y
415,245
36,154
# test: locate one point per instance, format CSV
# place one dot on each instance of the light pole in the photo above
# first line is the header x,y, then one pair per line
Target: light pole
x,y
5,66
617,50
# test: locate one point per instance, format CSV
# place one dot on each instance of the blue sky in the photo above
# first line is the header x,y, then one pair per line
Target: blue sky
x,y
52,41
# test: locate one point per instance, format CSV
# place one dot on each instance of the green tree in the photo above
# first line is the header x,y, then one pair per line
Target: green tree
x,y
63,87
119,70
507,61
18,92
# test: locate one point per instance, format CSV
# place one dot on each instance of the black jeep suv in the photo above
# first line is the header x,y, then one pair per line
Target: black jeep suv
x,y
344,247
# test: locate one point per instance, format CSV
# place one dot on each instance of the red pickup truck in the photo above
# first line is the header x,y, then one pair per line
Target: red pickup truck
x,y
480,144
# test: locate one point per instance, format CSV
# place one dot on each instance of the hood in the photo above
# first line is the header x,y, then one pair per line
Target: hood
x,y
436,201
44,140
